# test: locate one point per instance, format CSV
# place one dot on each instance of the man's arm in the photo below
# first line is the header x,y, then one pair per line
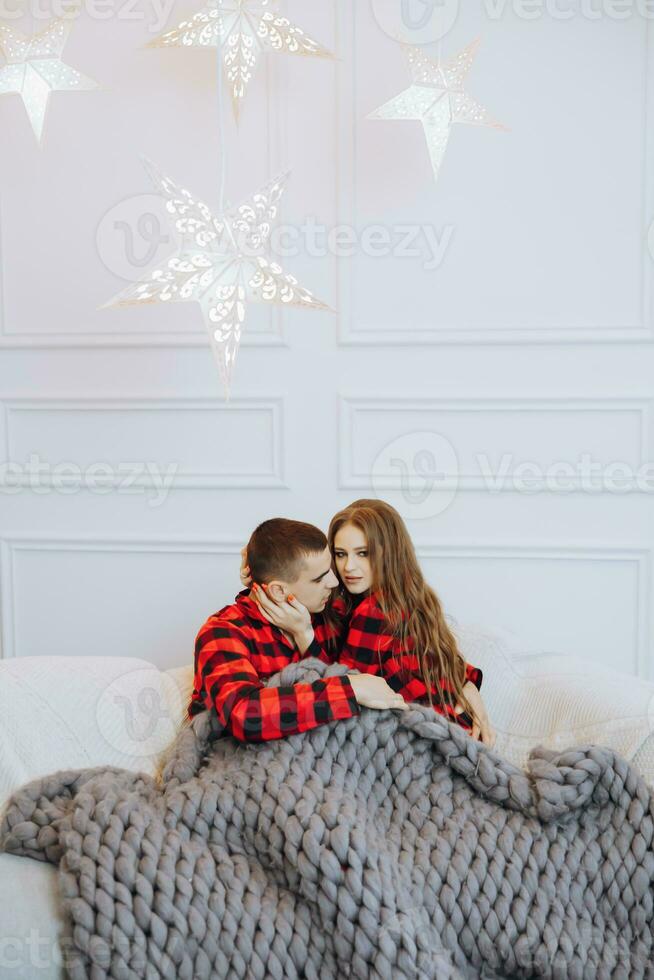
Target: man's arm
x,y
251,711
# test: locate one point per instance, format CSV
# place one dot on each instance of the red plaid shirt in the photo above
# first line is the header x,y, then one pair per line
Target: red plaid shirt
x,y
236,650
371,648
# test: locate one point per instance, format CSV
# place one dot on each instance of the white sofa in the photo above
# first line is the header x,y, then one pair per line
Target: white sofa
x,y
74,712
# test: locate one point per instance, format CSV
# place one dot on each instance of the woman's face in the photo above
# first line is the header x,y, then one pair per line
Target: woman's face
x,y
351,559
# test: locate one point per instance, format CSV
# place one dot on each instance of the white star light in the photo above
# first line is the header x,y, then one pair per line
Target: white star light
x,y
242,30
437,99
34,69
220,264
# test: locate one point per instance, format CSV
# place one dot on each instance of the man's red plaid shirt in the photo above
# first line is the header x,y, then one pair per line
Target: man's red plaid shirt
x,y
236,650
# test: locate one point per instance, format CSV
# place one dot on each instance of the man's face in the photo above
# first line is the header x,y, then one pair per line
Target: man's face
x,y
314,584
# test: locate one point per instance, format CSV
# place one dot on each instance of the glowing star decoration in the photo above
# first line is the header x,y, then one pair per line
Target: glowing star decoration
x,y
242,30
437,99
219,263
34,69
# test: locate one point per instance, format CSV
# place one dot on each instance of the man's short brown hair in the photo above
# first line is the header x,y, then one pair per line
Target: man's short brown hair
x,y
278,547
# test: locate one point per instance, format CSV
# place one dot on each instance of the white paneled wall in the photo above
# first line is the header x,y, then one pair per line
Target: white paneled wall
x,y
540,430
89,590
445,382
178,433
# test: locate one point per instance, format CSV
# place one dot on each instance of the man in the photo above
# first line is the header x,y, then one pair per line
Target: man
x,y
238,649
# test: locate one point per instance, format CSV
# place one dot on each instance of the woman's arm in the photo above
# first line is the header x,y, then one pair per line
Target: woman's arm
x,y
481,724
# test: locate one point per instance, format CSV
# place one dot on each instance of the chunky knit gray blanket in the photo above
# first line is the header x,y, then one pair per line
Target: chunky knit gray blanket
x,y
388,845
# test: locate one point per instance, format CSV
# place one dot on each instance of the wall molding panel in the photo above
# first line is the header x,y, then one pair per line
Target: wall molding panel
x,y
252,411
12,337
605,553
633,414
12,546
353,333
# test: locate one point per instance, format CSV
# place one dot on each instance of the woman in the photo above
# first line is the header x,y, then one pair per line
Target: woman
x,y
395,622
385,619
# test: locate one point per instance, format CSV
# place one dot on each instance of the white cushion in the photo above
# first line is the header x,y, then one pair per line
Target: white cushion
x,y
60,712
558,700
35,937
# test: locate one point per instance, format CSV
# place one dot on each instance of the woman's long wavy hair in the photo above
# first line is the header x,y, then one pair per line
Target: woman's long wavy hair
x,y
410,606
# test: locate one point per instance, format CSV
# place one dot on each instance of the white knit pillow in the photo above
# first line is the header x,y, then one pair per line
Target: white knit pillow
x,y
557,700
59,712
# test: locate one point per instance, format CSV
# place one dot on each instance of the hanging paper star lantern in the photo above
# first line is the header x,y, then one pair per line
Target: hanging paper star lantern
x,y
437,99
242,30
34,69
220,264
